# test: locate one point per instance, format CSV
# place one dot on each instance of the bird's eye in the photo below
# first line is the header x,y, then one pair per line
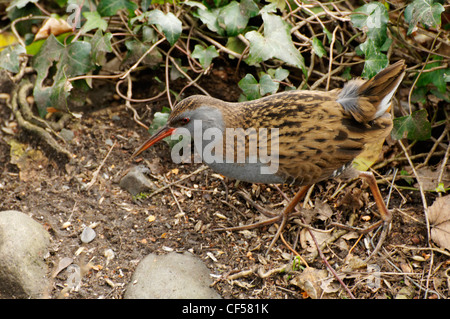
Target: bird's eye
x,y
184,120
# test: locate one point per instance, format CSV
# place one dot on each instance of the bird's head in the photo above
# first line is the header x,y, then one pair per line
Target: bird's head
x,y
188,112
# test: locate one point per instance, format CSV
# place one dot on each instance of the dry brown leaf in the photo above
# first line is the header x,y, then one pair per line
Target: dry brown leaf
x,y
323,210
311,280
53,26
28,160
429,178
439,218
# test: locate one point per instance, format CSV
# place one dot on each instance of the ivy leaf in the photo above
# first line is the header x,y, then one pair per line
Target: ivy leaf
x,y
205,55
70,60
276,43
375,61
9,58
253,90
318,48
427,12
436,77
210,18
94,21
232,19
372,18
136,48
250,87
101,44
268,85
234,16
19,4
168,23
415,126
107,8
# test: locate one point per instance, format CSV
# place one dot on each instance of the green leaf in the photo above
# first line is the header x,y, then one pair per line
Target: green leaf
x,y
232,19
280,74
135,50
372,18
168,23
101,44
437,77
276,43
108,8
94,21
250,86
427,12
415,126
9,58
19,4
235,45
69,61
318,48
205,55
268,85
375,61
210,17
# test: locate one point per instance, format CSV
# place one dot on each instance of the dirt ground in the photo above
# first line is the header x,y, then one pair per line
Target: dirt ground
x,y
184,216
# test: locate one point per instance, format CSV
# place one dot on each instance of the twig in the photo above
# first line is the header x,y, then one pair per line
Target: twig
x,y
331,269
201,169
124,75
331,59
97,171
173,195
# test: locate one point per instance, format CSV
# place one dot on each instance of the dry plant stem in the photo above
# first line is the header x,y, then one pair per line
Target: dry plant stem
x,y
201,169
425,206
25,110
330,268
137,100
97,171
124,75
331,58
418,76
433,148
443,165
136,117
32,128
174,197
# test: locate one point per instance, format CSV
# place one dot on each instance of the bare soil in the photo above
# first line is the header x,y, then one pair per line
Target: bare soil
x,y
184,216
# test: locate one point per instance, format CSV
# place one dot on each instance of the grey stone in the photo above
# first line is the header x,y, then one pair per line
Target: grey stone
x,y
171,276
87,235
136,182
23,245
66,134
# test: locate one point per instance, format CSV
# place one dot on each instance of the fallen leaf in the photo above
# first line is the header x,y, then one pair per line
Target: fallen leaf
x,y
439,218
28,160
53,26
323,210
429,178
311,281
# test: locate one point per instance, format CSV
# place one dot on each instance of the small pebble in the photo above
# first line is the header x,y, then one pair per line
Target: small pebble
x,y
88,235
66,134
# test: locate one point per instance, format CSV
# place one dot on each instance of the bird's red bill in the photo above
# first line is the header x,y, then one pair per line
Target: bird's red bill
x,y
162,133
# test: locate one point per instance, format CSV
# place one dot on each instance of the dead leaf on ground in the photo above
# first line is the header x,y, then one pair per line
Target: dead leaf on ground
x,y
429,178
323,210
314,282
307,242
28,160
439,218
